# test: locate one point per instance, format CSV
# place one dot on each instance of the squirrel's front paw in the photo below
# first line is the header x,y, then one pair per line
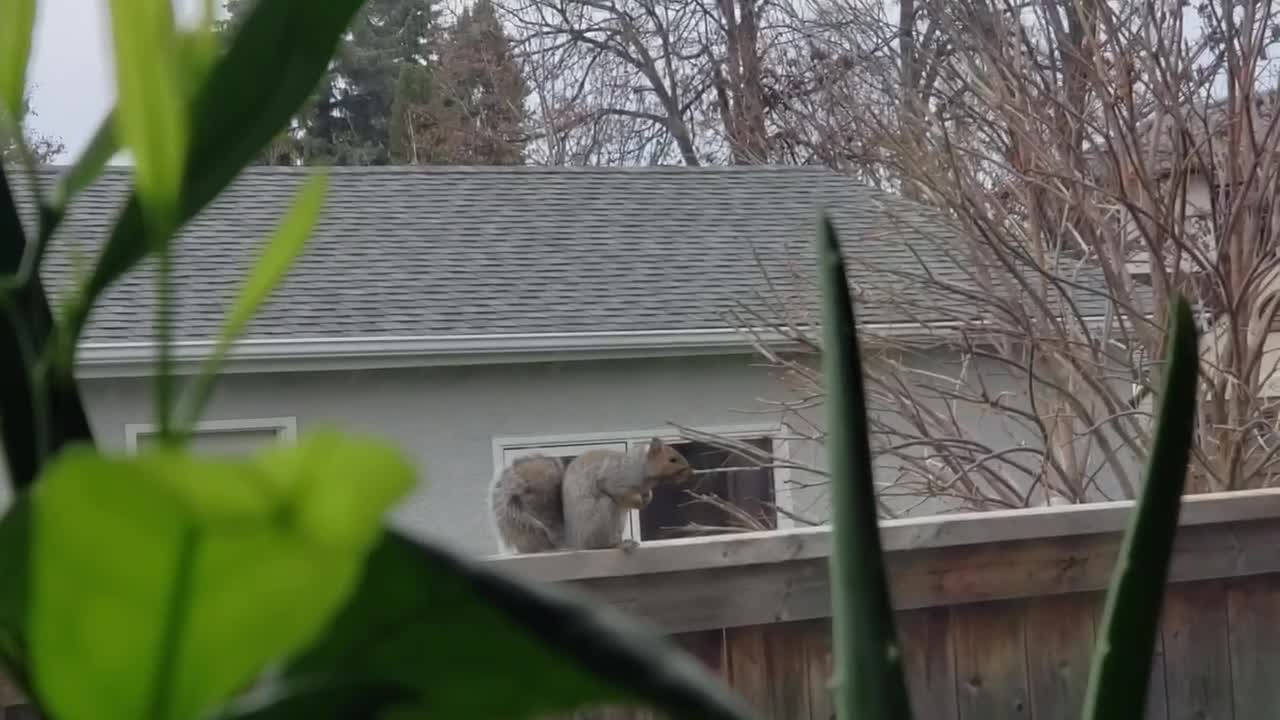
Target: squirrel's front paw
x,y
629,545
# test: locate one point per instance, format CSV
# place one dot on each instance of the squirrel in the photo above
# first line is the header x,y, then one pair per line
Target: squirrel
x,y
525,503
600,486
539,505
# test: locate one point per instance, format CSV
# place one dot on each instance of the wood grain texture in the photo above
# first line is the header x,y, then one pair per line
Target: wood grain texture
x,y
897,535
1060,638
1253,612
800,590
991,666
788,685
707,646
928,661
819,667
747,659
1197,658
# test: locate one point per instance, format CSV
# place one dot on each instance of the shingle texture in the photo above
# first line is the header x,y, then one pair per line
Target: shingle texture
x,y
465,251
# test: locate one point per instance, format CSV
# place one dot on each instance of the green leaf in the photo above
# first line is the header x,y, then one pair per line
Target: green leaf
x,y
1121,667
102,147
200,571
431,634
868,667
15,531
36,418
271,65
17,21
199,48
270,269
151,114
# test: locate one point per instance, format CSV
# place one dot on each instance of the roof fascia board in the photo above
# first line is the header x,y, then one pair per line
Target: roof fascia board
x,y
137,359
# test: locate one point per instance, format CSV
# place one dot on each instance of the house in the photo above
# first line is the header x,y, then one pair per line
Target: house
x,y
475,314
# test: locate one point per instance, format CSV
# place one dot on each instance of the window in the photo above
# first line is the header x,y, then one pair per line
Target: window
x,y
752,491
736,481
222,437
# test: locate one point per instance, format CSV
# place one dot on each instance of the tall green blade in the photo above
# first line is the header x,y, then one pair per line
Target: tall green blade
x,y
36,418
869,680
151,114
1122,660
279,254
103,146
17,21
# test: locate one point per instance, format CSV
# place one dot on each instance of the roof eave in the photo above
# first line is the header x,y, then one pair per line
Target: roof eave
x,y
136,359
269,355
99,360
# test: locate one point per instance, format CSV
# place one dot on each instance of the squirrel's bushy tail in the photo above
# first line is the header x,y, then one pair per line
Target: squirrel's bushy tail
x,y
524,504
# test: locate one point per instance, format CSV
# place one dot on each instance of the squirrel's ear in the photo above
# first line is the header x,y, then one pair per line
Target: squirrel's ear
x,y
655,445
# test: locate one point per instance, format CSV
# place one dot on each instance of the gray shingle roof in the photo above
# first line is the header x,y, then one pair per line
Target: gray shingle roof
x,y
439,251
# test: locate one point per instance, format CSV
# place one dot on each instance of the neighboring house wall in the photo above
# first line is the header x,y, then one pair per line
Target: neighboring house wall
x,y
455,423
447,419
996,429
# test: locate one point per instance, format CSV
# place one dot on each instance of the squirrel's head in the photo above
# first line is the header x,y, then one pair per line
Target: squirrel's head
x,y
665,464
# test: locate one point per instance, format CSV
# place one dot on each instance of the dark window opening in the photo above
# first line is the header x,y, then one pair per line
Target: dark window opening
x,y
743,484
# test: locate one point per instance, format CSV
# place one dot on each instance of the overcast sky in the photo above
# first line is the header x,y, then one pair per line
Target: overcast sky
x,y
71,68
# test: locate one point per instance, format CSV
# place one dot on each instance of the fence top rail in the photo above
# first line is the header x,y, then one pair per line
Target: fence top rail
x,y
897,535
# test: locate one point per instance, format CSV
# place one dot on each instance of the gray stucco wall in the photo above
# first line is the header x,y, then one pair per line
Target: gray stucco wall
x,y
446,419
995,429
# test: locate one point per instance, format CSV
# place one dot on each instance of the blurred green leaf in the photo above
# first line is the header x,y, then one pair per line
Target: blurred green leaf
x,y
151,112
272,63
1121,668
35,417
101,148
868,667
199,48
270,269
15,530
17,21
433,635
201,571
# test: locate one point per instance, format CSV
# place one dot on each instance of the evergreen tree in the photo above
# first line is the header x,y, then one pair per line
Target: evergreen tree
x,y
44,149
475,114
346,122
414,94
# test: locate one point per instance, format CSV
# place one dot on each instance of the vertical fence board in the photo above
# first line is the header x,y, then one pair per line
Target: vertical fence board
x,y
707,646
746,658
1197,658
928,659
1059,647
991,661
1253,615
818,668
788,679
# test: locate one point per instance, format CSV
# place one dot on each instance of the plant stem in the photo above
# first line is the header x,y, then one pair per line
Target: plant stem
x,y
162,691
164,370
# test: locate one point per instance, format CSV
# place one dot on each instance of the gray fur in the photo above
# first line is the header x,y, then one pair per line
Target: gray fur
x,y
596,486
525,504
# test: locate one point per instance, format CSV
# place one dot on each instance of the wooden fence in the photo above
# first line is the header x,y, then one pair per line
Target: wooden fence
x,y
996,612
